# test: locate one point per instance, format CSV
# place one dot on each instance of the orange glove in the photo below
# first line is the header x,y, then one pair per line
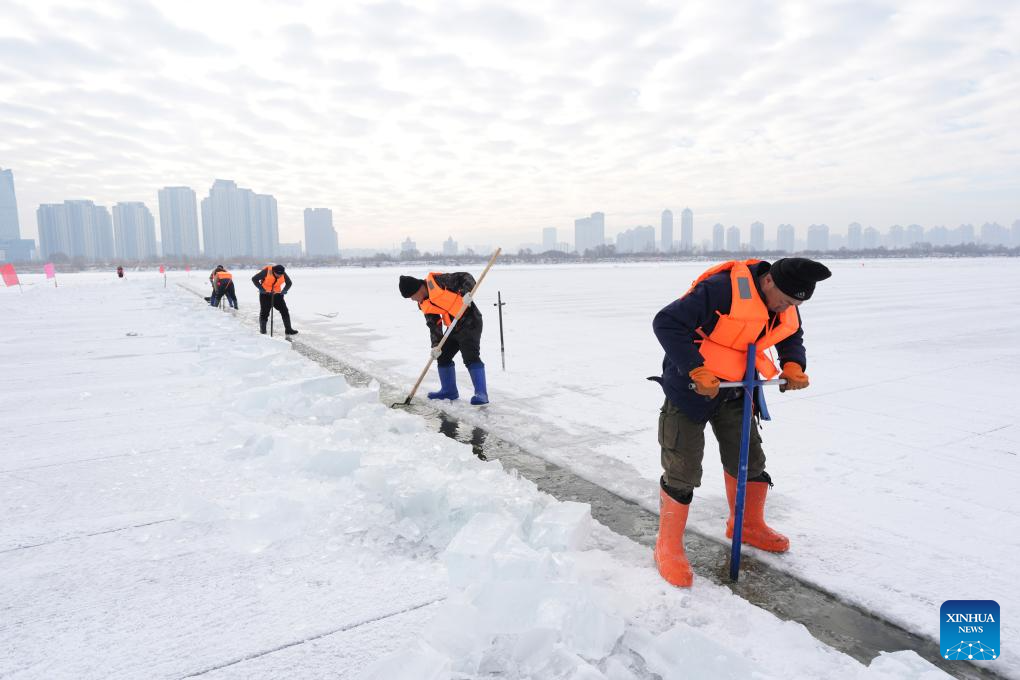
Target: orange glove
x,y
705,383
796,378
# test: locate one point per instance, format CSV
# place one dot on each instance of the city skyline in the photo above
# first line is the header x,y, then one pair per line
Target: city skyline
x,y
494,121
237,222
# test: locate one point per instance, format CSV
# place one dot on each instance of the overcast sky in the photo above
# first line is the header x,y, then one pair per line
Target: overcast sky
x,y
489,121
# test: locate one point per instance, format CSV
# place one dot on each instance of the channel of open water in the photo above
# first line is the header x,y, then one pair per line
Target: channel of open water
x,y
841,625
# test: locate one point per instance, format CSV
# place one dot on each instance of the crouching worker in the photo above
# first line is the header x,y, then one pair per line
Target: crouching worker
x,y
223,285
705,335
273,283
441,297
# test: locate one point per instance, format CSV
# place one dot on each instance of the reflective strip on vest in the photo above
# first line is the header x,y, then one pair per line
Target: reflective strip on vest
x,y
725,348
440,301
272,283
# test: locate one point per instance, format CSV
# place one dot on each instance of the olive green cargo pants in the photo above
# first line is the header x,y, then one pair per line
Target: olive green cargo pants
x,y
683,444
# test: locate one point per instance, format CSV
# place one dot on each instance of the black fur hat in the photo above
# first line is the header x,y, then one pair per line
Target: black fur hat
x,y
797,276
410,285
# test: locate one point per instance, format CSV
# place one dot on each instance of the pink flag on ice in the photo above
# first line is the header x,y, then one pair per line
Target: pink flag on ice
x,y
50,271
187,269
10,276
162,270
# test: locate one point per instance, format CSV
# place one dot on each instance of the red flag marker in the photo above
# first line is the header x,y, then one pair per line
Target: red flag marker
x,y
10,276
51,272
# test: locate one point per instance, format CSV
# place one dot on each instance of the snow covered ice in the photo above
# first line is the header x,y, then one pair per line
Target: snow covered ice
x,y
183,496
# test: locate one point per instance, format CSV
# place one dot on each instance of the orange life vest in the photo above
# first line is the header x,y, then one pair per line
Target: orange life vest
x,y
220,276
440,301
725,348
272,283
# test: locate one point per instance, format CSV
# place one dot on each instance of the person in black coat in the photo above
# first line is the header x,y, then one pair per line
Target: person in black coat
x,y
440,296
273,283
771,295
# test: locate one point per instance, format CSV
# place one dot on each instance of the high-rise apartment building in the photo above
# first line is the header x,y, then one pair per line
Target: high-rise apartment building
x,y
914,235
964,234
239,222
687,230
13,248
54,231
871,238
134,231
636,240
666,232
818,237
589,232
853,236
226,219
994,234
10,230
733,239
718,237
320,236
786,238
178,222
895,238
449,246
938,236
265,225
757,237
76,229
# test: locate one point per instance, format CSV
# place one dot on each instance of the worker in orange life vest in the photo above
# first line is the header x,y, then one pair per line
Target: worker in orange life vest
x,y
223,285
273,283
440,297
705,335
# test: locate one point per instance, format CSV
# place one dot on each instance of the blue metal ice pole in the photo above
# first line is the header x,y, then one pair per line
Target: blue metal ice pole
x,y
745,442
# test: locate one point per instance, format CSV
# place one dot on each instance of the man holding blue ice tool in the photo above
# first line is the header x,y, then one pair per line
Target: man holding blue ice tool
x,y
706,335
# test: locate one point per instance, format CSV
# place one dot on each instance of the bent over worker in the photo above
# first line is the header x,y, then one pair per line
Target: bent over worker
x,y
705,335
273,283
440,297
223,285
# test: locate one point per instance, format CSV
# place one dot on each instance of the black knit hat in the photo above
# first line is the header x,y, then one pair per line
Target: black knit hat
x,y
410,285
797,276
278,269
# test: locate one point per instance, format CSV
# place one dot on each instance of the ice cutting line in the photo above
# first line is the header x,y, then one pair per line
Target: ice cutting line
x,y
302,641
446,336
80,536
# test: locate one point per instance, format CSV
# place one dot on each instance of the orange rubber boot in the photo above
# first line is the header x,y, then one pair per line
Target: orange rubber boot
x,y
755,532
669,546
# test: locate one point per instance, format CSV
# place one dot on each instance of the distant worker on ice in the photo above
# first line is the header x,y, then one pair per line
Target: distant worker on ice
x,y
273,283
705,335
441,297
223,284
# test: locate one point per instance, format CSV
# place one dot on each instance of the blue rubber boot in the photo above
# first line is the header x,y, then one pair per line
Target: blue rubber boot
x,y
447,382
477,372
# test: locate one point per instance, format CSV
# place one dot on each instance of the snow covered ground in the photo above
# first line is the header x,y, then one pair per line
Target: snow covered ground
x,y
896,471
183,497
